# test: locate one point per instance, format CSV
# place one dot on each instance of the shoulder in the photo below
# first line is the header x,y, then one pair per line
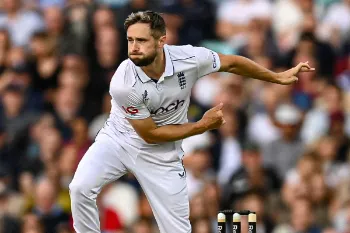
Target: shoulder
x,y
124,75
183,52
188,53
124,79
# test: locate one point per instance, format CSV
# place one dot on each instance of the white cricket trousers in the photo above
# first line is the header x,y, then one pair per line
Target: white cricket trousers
x,y
161,178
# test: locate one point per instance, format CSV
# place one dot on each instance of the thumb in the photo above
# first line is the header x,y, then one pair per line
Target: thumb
x,y
218,107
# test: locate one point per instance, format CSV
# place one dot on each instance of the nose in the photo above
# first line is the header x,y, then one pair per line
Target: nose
x,y
134,46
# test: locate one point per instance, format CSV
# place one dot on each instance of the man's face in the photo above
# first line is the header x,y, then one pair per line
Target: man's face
x,y
142,47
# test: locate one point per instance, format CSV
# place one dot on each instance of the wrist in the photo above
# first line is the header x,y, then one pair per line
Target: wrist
x,y
201,126
278,77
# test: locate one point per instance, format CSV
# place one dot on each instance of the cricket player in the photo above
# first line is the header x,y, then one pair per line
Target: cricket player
x,y
148,120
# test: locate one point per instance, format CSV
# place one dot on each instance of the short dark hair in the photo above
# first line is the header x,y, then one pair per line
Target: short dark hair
x,y
154,19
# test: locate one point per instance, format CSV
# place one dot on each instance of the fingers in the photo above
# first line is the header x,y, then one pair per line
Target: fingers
x,y
305,67
294,79
219,113
223,121
218,107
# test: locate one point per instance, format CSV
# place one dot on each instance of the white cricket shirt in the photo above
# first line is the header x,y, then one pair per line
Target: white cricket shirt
x,y
136,96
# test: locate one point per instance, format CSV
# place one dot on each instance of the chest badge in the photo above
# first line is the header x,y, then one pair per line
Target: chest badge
x,y
145,97
182,80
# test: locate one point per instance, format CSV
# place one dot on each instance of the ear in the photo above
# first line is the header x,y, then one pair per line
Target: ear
x,y
161,41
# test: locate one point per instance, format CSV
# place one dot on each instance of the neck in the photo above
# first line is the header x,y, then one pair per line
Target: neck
x,y
289,138
157,67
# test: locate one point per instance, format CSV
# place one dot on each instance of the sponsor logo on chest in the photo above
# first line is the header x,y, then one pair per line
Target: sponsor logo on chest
x,y
171,107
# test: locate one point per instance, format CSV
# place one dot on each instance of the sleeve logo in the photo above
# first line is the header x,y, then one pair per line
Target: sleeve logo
x,y
214,59
130,110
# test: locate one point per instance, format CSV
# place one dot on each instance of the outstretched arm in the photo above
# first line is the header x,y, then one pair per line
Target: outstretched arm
x,y
246,67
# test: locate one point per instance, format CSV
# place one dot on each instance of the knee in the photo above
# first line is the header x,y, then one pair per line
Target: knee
x,y
78,189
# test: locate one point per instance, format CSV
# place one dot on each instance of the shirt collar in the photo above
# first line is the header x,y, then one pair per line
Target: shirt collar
x,y
169,68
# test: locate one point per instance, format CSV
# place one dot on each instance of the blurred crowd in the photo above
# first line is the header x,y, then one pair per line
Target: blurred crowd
x,y
284,151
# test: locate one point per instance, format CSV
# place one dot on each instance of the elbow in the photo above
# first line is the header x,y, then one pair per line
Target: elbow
x,y
228,63
155,139
152,137
233,66
149,141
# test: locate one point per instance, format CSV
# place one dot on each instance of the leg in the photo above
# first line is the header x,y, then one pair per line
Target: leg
x,y
166,190
99,166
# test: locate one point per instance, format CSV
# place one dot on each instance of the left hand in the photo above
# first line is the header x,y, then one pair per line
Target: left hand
x,y
289,76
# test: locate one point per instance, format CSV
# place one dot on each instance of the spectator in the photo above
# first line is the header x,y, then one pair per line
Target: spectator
x,y
20,23
67,164
55,27
227,153
46,207
317,120
103,17
108,50
234,27
57,58
66,107
16,56
201,226
32,223
259,43
254,201
15,117
261,126
71,79
197,162
334,171
335,25
80,139
212,200
250,176
321,51
301,219
197,22
98,122
45,65
5,45
288,20
283,153
49,145
142,226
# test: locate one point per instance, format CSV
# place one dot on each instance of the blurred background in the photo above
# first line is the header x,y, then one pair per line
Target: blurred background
x,y
284,151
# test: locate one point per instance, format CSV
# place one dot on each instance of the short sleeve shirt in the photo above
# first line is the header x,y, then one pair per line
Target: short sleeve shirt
x,y
137,96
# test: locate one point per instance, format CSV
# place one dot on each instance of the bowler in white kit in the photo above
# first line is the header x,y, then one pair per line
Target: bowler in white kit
x,y
148,120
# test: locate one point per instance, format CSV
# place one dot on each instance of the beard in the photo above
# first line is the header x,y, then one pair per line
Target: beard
x,y
145,61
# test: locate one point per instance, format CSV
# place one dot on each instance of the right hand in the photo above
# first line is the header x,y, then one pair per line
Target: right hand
x,y
213,118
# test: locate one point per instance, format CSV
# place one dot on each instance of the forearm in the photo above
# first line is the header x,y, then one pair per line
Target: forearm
x,y
248,68
168,133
